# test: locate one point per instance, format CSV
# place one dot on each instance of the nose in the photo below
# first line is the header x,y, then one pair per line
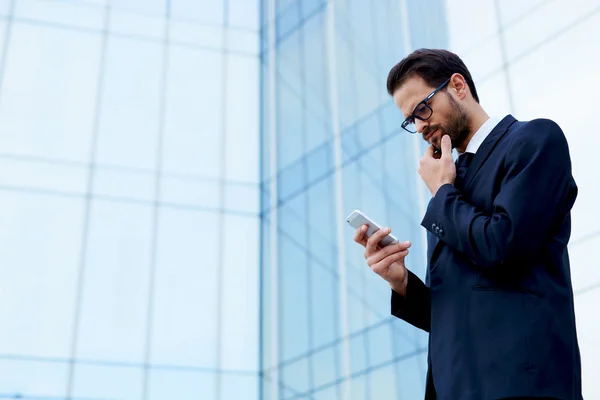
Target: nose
x,y
420,125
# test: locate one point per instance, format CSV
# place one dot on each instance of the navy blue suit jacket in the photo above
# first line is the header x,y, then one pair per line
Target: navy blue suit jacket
x,y
498,301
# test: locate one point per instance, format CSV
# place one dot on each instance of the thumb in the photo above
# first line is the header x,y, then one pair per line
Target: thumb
x,y
446,146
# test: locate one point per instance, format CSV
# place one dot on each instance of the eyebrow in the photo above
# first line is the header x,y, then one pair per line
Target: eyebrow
x,y
412,109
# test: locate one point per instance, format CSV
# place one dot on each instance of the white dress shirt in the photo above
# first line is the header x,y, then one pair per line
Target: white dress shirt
x,y
480,135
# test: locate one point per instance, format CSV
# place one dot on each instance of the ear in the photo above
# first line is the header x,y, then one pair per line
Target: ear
x,y
459,85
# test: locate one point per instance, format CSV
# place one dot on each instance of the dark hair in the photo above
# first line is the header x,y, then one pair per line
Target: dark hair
x,y
434,66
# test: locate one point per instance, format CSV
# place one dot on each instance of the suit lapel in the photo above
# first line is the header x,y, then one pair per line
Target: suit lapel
x,y
487,146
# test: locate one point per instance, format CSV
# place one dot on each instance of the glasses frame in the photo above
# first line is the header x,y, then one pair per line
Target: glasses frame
x,y
411,118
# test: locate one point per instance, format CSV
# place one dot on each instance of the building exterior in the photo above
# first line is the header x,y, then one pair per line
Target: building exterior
x,y
175,177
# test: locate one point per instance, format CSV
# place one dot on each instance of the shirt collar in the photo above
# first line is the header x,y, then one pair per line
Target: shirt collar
x,y
480,135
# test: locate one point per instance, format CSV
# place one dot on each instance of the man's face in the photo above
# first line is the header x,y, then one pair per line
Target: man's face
x,y
449,117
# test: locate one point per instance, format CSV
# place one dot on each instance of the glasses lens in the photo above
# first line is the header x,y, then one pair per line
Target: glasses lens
x,y
422,111
409,126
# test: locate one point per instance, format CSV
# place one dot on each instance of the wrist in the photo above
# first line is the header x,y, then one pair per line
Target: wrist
x,y
400,286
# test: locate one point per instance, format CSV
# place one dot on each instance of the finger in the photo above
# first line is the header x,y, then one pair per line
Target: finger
x,y
359,235
387,251
446,146
384,264
375,239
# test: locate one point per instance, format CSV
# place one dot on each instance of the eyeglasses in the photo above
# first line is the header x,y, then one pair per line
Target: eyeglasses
x,y
422,111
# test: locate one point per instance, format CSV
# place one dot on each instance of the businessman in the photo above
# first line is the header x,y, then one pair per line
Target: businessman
x,y
497,300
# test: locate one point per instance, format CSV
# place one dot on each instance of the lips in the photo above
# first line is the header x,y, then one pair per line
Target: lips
x,y
429,135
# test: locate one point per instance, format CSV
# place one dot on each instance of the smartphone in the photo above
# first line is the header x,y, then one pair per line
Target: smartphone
x,y
358,218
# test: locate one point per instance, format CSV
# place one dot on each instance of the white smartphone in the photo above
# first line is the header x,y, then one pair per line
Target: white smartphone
x,y
358,218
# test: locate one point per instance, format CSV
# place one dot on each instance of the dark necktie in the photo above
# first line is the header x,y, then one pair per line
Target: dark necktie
x,y
462,165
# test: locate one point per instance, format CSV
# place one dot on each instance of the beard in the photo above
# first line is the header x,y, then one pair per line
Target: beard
x,y
457,126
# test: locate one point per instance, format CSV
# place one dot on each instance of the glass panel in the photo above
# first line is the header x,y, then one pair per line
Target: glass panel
x,y
185,295
310,7
493,94
206,11
38,286
325,367
461,38
409,377
331,393
61,13
288,20
293,303
4,10
130,114
191,36
380,347
239,299
61,96
23,378
247,45
239,387
359,388
124,184
556,16
296,376
128,23
289,125
324,298
29,173
358,353
190,191
101,382
242,198
193,126
147,6
382,384
181,384
116,281
242,113
243,14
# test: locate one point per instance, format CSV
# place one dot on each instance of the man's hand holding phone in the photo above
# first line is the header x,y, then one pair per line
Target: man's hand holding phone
x,y
387,262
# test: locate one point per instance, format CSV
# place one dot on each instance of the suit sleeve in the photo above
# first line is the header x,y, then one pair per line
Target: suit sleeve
x,y
415,308
536,192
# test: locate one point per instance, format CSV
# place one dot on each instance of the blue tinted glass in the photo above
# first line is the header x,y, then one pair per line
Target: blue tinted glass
x,y
325,366
324,306
184,314
240,294
114,302
296,375
38,286
235,386
95,381
310,7
289,124
192,141
288,18
294,320
23,377
185,385
130,117
62,95
207,12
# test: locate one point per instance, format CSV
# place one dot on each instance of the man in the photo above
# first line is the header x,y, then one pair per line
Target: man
x,y
498,299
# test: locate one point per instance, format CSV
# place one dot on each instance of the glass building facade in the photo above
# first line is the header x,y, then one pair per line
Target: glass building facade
x,y
175,177
332,143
